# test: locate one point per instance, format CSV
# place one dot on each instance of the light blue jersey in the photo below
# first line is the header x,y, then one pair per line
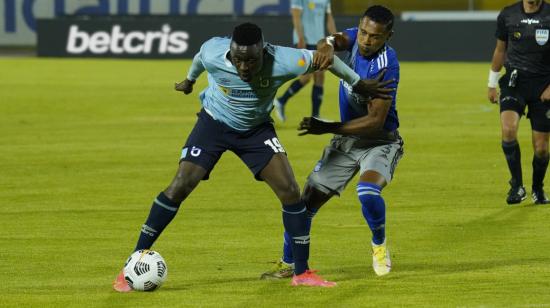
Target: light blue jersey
x,y
353,105
242,105
313,19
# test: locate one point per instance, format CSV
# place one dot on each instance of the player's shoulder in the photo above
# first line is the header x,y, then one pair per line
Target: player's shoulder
x,y
217,42
215,48
286,58
387,57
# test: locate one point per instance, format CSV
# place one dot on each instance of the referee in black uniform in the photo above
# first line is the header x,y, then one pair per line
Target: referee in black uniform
x,y
523,47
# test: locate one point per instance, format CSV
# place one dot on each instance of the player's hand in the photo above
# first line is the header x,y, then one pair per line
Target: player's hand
x,y
185,86
492,94
301,43
545,96
375,88
323,57
316,126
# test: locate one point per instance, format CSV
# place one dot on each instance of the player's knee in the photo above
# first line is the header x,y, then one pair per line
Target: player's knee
x,y
181,187
509,132
541,150
289,192
304,79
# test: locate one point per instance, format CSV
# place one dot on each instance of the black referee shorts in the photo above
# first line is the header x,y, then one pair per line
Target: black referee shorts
x,y
526,93
210,138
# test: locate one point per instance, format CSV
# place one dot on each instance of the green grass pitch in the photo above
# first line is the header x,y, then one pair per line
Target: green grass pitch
x,y
87,144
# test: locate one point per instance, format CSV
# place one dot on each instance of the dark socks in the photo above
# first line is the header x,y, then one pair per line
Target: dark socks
x,y
287,249
293,89
316,100
162,212
295,222
513,158
540,164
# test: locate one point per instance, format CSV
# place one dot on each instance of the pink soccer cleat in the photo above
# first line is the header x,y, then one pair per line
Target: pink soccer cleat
x,y
120,284
309,278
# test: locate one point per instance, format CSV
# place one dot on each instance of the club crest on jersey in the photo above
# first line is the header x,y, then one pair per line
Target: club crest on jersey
x,y
541,35
302,61
264,83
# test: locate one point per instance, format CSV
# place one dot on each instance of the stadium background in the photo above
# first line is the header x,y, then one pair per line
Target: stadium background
x,y
86,144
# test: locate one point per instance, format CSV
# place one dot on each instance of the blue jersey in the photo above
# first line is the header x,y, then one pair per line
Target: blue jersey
x,y
353,105
313,19
239,104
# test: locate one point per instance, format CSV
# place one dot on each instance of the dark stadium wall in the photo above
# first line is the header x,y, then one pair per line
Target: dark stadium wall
x,y
181,37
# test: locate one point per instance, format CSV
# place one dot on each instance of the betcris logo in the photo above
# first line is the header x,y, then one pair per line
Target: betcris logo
x,y
133,42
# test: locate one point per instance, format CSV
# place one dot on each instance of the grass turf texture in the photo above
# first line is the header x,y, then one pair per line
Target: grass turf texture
x,y
87,144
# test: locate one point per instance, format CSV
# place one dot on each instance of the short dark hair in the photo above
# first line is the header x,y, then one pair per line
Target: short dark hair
x,y
380,14
247,34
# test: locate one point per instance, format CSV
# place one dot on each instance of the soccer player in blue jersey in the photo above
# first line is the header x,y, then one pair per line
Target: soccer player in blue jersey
x,y
366,141
243,77
310,18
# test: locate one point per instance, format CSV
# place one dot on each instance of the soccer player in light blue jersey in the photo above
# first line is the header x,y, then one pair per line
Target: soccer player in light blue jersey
x,y
243,77
366,140
310,18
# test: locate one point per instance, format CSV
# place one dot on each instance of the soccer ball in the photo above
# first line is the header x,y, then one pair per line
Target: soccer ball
x,y
145,270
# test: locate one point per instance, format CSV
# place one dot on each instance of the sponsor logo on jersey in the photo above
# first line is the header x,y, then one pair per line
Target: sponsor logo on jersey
x,y
165,41
195,151
530,21
311,5
541,35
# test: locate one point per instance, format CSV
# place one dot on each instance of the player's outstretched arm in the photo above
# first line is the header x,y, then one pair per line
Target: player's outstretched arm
x,y
369,124
323,57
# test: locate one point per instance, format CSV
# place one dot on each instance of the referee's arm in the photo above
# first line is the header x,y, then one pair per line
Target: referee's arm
x,y
496,65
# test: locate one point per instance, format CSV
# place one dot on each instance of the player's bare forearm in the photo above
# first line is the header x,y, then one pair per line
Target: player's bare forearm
x,y
331,25
297,23
370,124
499,56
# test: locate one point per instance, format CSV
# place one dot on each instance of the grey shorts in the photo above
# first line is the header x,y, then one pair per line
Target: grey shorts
x,y
345,156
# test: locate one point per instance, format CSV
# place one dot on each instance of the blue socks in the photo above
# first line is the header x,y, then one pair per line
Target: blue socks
x,y
316,99
293,89
161,214
295,222
374,210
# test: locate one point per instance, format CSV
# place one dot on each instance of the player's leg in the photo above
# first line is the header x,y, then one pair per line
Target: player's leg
x,y
540,165
511,110
329,177
199,156
279,176
284,267
377,168
294,87
262,152
317,93
167,203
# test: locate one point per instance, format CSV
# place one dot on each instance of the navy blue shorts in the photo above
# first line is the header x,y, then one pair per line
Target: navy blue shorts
x,y
210,138
526,93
